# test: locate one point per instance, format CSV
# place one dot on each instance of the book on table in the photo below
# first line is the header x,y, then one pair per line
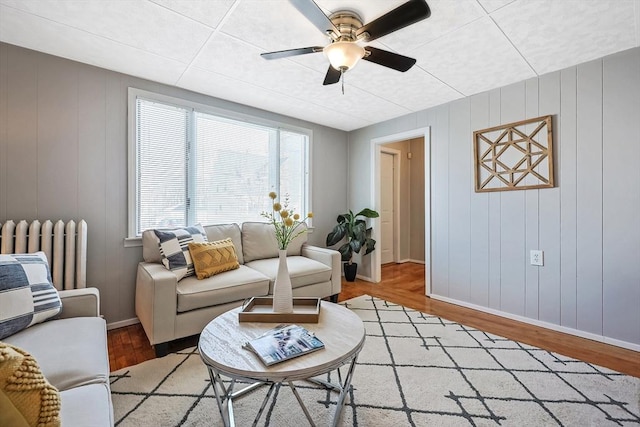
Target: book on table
x,y
284,343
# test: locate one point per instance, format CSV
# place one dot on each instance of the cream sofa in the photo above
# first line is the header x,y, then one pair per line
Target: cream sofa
x,y
72,354
170,309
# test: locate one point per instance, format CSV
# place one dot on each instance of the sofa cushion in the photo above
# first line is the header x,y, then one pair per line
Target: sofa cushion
x,y
151,247
234,285
89,405
27,295
211,258
259,241
26,397
174,248
226,231
303,271
71,352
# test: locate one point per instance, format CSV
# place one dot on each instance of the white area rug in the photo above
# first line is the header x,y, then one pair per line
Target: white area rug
x,y
414,370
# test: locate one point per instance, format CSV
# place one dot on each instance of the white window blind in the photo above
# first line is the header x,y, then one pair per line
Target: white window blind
x,y
162,164
232,172
293,168
197,167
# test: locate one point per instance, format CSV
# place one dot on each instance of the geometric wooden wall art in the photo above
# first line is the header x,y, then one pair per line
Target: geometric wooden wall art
x,y
515,156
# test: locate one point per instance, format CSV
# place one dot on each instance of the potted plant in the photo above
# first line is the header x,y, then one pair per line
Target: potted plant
x,y
358,237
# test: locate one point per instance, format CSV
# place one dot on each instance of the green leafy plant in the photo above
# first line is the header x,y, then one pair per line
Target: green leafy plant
x,y
356,231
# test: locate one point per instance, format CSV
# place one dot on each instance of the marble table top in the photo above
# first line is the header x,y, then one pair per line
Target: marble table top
x,y
221,345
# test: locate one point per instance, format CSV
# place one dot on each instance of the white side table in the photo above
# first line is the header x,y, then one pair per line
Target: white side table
x,y
220,347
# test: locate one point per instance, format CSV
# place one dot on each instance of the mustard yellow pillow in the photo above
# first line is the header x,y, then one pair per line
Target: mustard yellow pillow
x,y
211,258
26,397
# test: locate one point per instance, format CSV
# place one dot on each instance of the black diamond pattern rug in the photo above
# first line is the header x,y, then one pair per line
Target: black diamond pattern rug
x,y
414,370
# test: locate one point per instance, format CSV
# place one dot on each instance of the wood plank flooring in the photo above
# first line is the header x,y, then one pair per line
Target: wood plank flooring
x,y
404,284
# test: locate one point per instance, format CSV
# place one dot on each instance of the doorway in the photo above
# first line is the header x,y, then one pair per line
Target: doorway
x,y
376,197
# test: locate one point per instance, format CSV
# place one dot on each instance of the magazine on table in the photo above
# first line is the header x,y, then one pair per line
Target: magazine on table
x,y
284,343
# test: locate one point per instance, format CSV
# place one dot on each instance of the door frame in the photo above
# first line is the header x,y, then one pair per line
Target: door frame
x,y
375,145
396,199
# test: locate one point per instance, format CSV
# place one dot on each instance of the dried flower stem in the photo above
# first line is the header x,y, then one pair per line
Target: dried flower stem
x,y
285,221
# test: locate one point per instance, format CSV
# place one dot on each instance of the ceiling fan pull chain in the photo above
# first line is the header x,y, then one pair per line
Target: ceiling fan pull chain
x,y
342,78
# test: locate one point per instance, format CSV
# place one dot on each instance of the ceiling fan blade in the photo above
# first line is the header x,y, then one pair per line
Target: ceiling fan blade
x,y
400,17
332,77
389,59
291,52
314,14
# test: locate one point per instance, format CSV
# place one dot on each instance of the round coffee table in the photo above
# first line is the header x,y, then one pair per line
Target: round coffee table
x,y
221,349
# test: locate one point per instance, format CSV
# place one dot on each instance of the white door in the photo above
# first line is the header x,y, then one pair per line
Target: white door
x,y
387,214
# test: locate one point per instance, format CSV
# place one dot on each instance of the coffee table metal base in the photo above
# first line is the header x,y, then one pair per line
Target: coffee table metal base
x,y
225,395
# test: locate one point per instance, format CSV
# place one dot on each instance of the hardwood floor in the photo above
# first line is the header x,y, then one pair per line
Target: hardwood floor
x,y
404,284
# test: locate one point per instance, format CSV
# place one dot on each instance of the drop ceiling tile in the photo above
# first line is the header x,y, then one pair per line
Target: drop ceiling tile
x,y
358,102
414,89
446,16
246,93
493,5
272,25
32,32
207,12
354,102
475,58
555,34
240,61
140,24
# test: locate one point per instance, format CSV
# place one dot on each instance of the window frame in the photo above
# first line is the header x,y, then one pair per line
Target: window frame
x,y
134,239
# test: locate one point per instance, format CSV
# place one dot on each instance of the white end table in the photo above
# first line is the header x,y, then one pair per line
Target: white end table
x,y
220,347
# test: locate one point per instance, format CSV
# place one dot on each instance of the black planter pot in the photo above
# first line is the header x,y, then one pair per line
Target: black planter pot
x,y
350,271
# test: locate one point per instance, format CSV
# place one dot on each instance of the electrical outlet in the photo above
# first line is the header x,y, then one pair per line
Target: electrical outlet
x,y
537,257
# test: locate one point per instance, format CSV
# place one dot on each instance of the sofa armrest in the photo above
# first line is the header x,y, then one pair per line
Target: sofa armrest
x,y
84,302
329,257
156,301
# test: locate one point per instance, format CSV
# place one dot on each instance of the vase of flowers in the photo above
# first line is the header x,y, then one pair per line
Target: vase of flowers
x,y
286,224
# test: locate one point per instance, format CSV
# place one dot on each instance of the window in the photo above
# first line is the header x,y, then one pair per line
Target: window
x,y
193,165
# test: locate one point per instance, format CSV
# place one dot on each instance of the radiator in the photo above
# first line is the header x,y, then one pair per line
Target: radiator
x,y
64,244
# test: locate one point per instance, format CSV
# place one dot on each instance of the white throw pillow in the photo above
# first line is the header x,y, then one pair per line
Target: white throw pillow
x,y
259,241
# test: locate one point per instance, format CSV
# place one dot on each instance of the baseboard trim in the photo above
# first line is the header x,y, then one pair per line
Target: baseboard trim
x,y
365,278
122,323
542,324
413,261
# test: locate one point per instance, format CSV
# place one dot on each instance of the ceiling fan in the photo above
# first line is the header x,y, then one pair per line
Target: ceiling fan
x,y
345,29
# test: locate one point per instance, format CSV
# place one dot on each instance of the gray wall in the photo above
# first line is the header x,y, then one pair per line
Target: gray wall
x,y
588,225
63,155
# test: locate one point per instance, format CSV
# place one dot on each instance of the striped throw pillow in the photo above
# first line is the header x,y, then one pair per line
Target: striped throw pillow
x,y
174,248
27,295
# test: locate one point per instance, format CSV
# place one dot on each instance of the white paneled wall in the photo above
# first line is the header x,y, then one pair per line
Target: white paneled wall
x,y
588,225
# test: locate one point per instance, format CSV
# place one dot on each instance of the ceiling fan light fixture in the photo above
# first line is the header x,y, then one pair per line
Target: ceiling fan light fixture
x,y
344,55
